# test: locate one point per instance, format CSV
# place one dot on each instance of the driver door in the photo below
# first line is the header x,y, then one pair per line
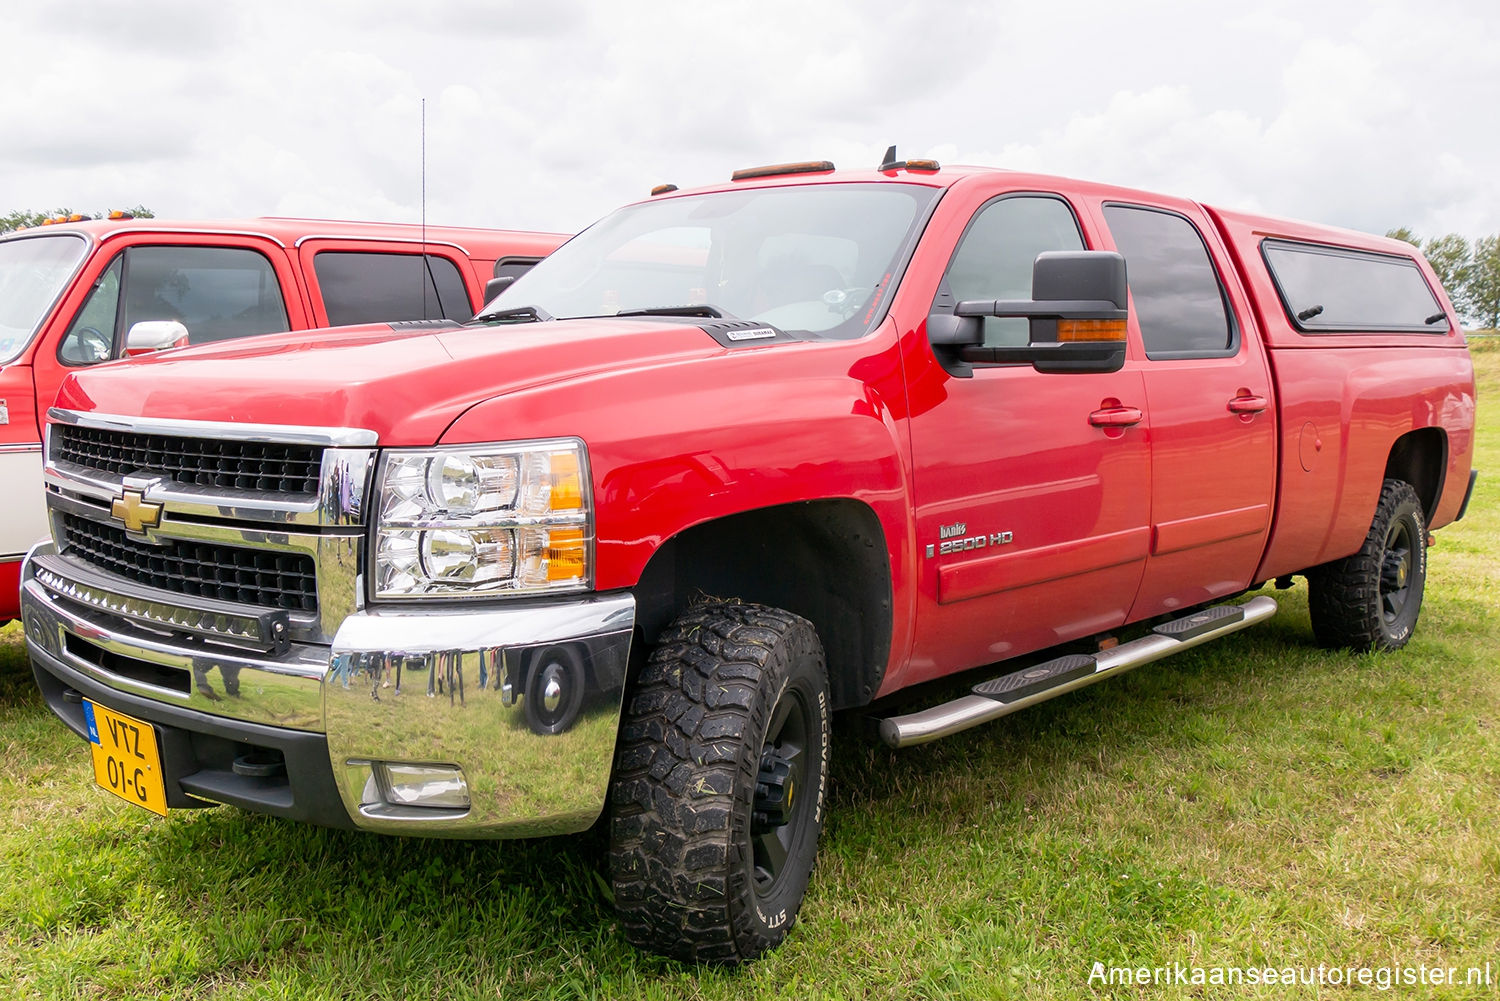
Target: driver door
x,y
230,288
1032,496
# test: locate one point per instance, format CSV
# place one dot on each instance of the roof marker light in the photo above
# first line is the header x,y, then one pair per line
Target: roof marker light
x,y
889,163
776,169
662,189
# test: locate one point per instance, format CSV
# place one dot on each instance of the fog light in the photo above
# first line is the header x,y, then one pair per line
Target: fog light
x,y
437,787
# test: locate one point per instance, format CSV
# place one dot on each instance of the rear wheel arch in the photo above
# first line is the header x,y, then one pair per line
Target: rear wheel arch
x,y
1420,458
824,560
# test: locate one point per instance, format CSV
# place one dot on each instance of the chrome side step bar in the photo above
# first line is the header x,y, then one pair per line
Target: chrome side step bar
x,y
1007,694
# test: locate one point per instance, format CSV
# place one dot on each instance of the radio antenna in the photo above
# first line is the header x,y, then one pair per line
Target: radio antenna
x,y
423,272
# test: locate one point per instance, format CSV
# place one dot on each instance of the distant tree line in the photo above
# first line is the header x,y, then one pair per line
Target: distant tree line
x,y
1470,272
25,220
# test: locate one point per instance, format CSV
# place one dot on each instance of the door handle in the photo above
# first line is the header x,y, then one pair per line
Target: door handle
x,y
1247,404
1116,417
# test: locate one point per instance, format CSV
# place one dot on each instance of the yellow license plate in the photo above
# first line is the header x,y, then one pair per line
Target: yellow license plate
x,y
127,761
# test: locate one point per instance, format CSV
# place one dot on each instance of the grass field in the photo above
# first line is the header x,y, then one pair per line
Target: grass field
x,y
1256,802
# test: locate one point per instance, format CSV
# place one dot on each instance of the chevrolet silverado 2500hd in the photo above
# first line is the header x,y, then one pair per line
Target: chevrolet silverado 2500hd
x,y
730,460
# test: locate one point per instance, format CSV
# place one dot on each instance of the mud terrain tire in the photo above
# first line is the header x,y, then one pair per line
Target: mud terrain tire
x,y
720,780
1371,600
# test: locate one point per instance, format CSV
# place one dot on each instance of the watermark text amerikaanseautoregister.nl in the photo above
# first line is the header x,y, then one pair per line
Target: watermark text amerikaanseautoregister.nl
x,y
1381,978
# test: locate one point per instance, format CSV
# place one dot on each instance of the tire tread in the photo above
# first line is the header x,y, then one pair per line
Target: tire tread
x,y
684,778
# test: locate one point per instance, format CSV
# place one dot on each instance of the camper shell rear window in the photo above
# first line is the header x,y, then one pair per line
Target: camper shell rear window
x,y
1333,289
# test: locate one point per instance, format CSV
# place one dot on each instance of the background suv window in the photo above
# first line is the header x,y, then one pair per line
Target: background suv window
x,y
91,337
218,293
361,287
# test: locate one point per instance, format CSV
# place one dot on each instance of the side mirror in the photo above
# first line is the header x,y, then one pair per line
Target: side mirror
x,y
1077,313
495,286
155,335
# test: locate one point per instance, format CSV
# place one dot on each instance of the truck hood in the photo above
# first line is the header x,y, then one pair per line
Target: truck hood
x,y
407,385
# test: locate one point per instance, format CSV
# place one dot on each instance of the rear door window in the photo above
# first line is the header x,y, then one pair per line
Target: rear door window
x,y
366,287
1329,289
1179,301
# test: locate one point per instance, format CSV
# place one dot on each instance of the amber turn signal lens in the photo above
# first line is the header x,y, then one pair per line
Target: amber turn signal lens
x,y
567,554
567,483
1090,330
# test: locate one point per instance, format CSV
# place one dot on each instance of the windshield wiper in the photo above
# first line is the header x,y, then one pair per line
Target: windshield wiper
x,y
701,309
534,313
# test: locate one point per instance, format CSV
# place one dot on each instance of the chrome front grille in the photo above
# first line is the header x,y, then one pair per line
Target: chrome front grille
x,y
222,464
233,519
264,578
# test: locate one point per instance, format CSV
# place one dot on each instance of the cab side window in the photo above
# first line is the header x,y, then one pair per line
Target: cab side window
x,y
1179,301
218,293
363,287
995,256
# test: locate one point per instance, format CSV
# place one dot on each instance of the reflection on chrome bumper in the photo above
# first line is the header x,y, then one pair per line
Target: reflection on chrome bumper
x,y
496,722
128,644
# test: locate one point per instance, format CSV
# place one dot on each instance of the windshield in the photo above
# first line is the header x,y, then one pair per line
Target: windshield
x,y
811,259
33,272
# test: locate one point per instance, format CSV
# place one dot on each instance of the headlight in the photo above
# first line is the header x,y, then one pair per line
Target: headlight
x,y
484,520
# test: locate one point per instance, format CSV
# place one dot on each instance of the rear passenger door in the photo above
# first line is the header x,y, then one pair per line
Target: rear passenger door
x,y
1209,398
364,281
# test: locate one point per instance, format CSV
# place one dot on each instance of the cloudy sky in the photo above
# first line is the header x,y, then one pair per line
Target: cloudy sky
x,y
548,113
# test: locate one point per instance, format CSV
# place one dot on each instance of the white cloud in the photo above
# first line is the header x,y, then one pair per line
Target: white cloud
x,y
548,115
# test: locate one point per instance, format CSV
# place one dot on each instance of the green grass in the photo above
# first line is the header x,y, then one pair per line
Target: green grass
x,y
1253,802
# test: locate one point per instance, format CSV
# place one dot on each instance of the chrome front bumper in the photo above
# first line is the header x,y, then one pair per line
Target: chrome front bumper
x,y
494,722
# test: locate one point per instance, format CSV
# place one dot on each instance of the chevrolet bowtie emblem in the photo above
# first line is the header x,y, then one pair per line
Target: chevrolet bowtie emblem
x,y
136,512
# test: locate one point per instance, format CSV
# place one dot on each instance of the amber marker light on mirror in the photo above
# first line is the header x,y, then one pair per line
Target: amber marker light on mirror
x,y
1077,331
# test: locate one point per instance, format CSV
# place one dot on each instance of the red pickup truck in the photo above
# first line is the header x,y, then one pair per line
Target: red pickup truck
x,y
729,461
78,293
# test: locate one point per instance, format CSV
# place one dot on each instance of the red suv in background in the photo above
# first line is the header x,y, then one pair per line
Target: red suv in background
x,y
77,294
